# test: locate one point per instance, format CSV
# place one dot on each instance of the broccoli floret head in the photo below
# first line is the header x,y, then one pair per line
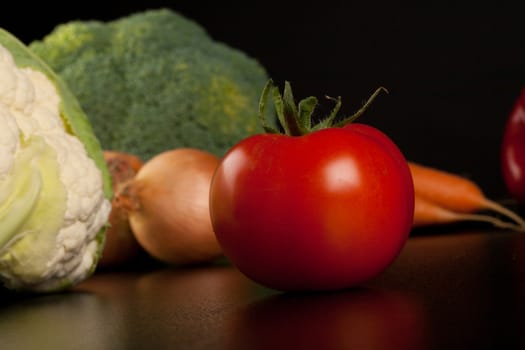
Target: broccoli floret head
x,y
156,80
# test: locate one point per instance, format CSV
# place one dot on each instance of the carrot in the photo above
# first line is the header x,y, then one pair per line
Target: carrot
x,y
444,197
428,213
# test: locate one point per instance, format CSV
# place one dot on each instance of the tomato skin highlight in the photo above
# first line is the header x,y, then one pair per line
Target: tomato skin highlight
x,y
513,151
323,211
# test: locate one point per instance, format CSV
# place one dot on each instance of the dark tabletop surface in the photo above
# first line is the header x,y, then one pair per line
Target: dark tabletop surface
x,y
461,288
453,71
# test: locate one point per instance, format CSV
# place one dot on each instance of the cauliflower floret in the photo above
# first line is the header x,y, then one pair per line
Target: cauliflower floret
x,y
33,138
9,139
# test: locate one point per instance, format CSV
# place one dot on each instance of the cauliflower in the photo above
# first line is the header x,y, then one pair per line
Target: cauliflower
x,y
155,80
54,188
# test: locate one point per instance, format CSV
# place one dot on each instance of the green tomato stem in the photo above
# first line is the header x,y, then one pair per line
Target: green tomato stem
x,y
262,109
357,114
296,120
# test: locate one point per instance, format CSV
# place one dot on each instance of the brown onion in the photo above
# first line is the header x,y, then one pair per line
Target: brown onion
x,y
168,209
120,246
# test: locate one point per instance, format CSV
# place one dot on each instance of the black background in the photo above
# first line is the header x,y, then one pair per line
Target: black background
x,y
453,69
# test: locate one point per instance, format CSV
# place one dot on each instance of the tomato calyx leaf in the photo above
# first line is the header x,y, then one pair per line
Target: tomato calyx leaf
x,y
296,119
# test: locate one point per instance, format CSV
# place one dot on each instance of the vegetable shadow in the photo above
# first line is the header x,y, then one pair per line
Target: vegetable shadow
x,y
360,318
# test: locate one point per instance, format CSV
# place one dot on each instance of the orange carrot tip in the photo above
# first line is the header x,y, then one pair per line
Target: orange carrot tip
x,y
427,213
444,196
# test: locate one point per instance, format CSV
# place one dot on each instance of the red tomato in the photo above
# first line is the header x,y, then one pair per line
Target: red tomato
x,y
513,151
323,211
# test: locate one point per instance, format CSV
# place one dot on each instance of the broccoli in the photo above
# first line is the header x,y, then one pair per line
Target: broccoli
x,y
155,80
